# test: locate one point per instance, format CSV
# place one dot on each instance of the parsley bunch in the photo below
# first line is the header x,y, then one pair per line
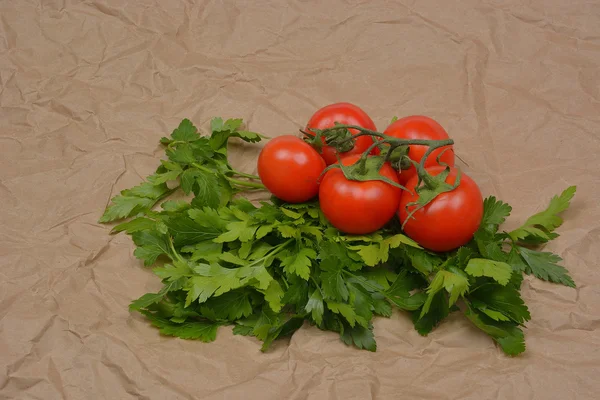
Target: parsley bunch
x,y
268,268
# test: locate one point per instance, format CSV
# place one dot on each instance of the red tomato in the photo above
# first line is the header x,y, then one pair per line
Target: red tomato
x,y
358,207
343,113
450,220
290,168
420,127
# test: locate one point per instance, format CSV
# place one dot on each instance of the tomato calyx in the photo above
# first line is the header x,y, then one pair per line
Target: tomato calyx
x,y
429,187
337,136
365,169
398,157
315,140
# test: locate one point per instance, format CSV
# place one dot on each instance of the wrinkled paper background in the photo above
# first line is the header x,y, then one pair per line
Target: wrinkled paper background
x,y
89,87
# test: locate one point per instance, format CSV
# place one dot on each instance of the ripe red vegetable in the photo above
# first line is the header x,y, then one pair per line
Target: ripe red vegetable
x,y
420,127
347,114
450,220
290,168
356,207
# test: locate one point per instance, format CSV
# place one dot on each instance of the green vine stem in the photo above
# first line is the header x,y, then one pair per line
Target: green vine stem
x,y
245,175
392,143
367,167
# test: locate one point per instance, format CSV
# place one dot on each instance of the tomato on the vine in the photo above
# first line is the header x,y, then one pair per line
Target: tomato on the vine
x,y
290,168
347,114
421,127
450,220
358,207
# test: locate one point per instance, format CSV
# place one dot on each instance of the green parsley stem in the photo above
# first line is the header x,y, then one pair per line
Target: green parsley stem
x,y
245,175
312,278
232,180
246,184
366,283
202,167
272,252
175,253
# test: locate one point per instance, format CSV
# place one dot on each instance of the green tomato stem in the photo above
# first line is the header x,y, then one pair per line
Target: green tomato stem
x,y
394,142
376,143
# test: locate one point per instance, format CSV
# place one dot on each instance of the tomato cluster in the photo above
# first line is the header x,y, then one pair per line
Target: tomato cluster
x,y
292,170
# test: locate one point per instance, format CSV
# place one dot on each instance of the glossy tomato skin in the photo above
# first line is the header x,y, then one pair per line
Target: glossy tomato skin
x,y
358,207
290,168
450,220
343,113
420,127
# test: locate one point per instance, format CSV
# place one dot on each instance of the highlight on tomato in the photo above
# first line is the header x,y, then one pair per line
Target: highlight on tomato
x,y
449,220
421,127
346,114
290,168
358,207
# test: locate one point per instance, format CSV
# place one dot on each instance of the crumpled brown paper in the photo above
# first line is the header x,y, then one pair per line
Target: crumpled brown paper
x,y
87,88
